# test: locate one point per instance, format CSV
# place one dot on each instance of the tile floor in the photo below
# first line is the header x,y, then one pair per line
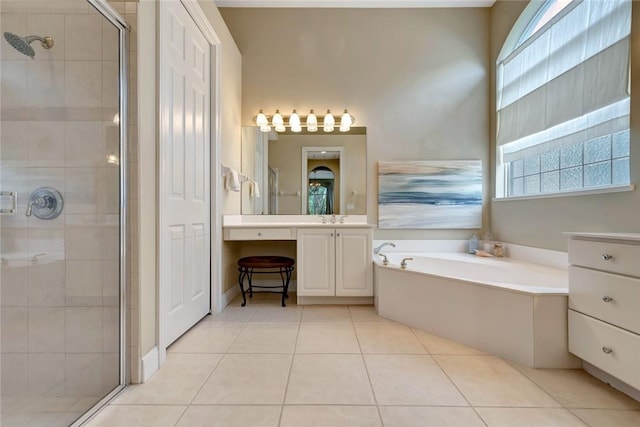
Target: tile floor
x,y
331,366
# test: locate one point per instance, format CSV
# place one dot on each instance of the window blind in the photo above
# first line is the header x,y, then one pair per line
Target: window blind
x,y
574,67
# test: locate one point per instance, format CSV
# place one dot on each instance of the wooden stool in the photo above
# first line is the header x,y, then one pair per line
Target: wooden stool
x,y
265,265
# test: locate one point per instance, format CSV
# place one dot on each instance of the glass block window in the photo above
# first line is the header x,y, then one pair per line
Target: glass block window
x,y
596,163
563,99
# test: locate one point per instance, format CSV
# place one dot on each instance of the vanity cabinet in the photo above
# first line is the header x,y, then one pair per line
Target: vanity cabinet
x,y
604,296
334,262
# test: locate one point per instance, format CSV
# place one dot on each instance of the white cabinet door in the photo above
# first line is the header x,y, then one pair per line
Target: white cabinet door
x,y
316,262
184,235
353,263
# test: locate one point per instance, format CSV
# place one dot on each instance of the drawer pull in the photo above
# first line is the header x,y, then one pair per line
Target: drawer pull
x,y
607,350
607,299
607,257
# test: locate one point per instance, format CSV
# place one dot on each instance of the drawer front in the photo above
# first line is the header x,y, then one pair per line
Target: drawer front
x,y
609,297
260,234
611,349
613,257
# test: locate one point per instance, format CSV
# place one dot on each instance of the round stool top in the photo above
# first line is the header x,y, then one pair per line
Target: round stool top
x,y
266,261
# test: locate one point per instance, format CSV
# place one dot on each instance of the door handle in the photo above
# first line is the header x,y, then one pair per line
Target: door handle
x,y
14,202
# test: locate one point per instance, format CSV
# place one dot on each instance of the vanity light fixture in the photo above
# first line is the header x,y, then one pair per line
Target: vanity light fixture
x,y
295,122
312,122
263,122
329,122
346,121
278,122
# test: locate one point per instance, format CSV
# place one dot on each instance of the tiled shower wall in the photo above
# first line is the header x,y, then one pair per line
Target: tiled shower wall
x,y
60,330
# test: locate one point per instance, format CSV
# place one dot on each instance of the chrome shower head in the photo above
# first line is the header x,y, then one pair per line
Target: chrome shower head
x,y
23,44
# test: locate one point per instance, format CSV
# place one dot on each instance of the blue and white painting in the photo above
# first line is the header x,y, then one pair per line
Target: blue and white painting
x,y
430,194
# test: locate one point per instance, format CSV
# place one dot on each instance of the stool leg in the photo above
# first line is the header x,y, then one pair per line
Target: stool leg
x,y
249,275
284,286
240,282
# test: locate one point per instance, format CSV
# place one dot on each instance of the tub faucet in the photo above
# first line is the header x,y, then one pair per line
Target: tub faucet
x,y
379,248
385,260
403,264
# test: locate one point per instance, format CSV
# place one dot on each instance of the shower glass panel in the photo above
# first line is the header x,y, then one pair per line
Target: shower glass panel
x,y
61,209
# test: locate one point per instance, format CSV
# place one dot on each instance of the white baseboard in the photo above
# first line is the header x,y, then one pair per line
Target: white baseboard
x,y
150,364
613,382
228,296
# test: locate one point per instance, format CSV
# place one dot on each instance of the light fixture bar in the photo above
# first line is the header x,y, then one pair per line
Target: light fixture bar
x,y
295,122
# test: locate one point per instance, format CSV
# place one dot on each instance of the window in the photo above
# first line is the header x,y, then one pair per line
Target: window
x,y
563,99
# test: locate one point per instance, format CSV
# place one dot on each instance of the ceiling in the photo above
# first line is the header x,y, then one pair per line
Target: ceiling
x,y
355,3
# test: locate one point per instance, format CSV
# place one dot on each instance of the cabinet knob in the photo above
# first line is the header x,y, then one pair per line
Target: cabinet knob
x,y
607,298
607,350
607,257
338,234
259,234
331,234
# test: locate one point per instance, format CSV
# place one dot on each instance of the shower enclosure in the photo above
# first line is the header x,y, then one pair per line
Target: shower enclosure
x,y
63,152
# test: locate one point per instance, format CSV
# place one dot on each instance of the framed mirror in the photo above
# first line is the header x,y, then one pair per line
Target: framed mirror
x,y
281,166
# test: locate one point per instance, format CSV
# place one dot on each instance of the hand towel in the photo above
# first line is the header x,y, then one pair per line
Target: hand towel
x,y
254,189
232,181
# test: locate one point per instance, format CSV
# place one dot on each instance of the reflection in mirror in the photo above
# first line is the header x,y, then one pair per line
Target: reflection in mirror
x,y
282,166
320,194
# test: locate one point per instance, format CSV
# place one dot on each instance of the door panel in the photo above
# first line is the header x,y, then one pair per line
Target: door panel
x,y
353,263
185,171
316,254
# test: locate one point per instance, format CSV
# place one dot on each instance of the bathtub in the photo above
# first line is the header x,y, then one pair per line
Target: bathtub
x,y
507,307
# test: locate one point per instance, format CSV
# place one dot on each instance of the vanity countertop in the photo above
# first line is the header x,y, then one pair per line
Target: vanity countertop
x,y
293,221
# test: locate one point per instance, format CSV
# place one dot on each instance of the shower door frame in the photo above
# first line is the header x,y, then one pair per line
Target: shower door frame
x,y
109,13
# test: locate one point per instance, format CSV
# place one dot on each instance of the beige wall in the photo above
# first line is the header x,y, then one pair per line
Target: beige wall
x,y
416,78
541,222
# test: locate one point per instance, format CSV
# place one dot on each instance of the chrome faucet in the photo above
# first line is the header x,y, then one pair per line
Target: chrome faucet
x,y
403,264
324,220
385,260
379,248
333,218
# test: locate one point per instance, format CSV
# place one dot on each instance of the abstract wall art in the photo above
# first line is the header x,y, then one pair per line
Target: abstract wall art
x,y
430,194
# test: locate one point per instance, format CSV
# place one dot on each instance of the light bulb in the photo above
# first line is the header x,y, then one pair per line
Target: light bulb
x,y
266,128
312,122
279,128
277,121
329,122
261,120
294,122
345,121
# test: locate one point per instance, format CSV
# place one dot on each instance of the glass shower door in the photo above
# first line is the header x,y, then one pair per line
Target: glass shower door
x,y
61,209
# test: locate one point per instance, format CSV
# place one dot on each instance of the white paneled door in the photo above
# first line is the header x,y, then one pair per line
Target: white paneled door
x,y
185,202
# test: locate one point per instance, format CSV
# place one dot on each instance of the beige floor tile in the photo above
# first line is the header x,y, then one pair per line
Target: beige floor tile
x,y
575,388
388,339
529,417
327,338
247,379
207,337
233,314
419,416
326,313
411,380
266,338
439,345
490,381
231,416
137,416
366,314
334,416
270,313
609,417
329,379
176,382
